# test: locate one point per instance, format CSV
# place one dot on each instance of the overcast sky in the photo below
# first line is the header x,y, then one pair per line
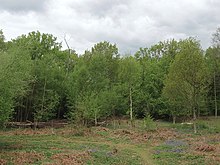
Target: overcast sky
x,y
130,24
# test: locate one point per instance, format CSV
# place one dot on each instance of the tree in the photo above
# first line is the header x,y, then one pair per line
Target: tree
x,y
176,94
187,76
14,79
93,75
155,62
213,59
129,74
37,44
2,41
48,73
216,38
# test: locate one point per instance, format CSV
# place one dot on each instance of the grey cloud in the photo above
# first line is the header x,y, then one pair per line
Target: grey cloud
x,y
128,23
22,5
99,8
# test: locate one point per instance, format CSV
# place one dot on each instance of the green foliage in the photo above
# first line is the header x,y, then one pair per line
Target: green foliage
x,y
14,79
2,42
149,123
213,61
37,44
39,81
129,76
91,83
155,62
187,78
6,109
45,109
209,125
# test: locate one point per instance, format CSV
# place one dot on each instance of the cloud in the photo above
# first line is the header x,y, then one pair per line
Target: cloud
x,y
22,5
130,24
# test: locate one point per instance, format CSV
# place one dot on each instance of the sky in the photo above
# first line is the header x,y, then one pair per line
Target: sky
x,y
130,24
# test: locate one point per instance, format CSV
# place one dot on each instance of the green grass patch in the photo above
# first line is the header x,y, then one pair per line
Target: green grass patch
x,y
175,154
49,145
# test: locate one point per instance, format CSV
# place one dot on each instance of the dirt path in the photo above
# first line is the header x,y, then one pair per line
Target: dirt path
x,y
143,152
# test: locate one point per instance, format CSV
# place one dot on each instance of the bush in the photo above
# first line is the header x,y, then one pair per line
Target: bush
x,y
202,124
149,124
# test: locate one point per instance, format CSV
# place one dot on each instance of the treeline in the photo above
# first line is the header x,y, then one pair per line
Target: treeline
x,y
172,79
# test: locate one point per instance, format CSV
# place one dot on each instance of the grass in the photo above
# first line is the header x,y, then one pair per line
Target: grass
x,y
50,146
171,155
201,148
166,145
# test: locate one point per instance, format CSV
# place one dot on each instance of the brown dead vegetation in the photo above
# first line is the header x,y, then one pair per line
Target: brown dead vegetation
x,y
209,152
20,158
70,158
29,124
28,131
205,148
3,162
154,136
65,158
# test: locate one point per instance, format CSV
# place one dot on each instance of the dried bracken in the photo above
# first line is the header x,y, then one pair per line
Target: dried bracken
x,y
161,134
102,129
20,158
205,148
3,162
70,158
29,131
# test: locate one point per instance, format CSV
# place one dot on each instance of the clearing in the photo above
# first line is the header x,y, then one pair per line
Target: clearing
x,y
164,144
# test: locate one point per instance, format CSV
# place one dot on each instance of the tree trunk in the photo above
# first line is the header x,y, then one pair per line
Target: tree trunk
x,y
95,119
69,54
30,105
42,106
26,109
194,120
215,95
174,119
114,119
45,83
194,110
20,112
131,106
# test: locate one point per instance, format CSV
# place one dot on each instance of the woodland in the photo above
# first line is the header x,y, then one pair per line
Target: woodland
x,y
173,80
